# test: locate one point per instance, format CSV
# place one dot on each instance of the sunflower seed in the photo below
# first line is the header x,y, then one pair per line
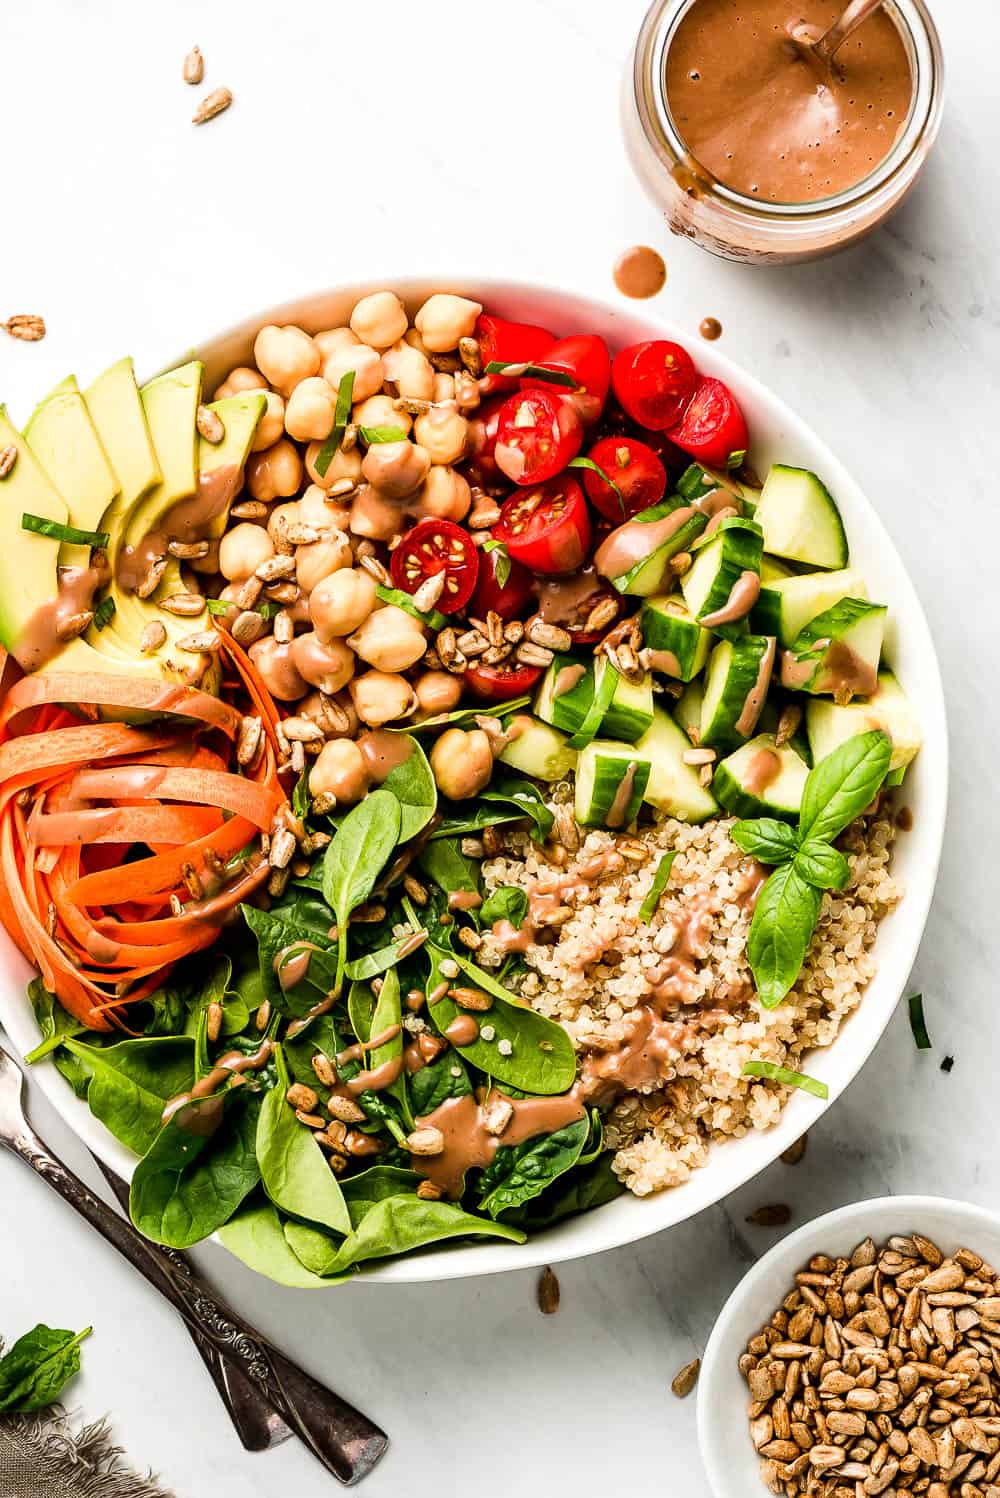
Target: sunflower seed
x,y
212,104
187,605
210,425
194,66
8,457
152,637
685,1378
25,326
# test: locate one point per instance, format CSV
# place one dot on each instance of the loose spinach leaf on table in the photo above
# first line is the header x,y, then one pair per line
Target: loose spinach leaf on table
x,y
782,926
436,1082
293,1168
35,1370
365,840
520,1172
507,903
412,783
395,1225
129,1083
255,1234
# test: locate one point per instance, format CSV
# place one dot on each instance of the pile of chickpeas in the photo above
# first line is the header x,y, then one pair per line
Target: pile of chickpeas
x,y
349,661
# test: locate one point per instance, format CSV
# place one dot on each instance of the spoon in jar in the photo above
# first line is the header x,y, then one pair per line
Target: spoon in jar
x,y
820,50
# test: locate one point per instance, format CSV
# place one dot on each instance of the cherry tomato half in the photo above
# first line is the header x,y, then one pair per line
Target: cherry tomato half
x,y
483,440
713,426
570,603
654,382
434,546
500,683
511,599
537,435
506,342
636,470
547,528
586,358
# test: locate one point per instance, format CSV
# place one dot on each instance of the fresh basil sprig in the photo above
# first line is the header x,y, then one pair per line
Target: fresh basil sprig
x,y
804,864
531,372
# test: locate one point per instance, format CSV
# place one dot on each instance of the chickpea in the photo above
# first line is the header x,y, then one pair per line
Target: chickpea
x,y
242,550
238,380
410,371
319,705
271,425
340,770
380,697
367,366
310,410
374,517
276,666
327,664
315,508
438,691
444,386
444,319
342,602
332,339
462,763
342,466
390,639
281,517
228,594
319,559
396,469
413,338
285,356
275,473
443,432
445,496
379,319
378,411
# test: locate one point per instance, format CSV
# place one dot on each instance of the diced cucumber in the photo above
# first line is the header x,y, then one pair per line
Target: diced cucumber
x,y
536,748
760,780
771,570
673,786
687,713
672,527
671,630
800,519
786,605
888,708
631,710
696,481
838,651
717,570
565,693
736,683
610,780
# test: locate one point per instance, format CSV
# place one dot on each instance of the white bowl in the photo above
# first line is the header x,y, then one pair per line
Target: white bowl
x,y
732,1465
776,434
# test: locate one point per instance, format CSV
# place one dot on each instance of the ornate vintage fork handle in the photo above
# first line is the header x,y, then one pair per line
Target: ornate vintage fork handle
x,y
344,1440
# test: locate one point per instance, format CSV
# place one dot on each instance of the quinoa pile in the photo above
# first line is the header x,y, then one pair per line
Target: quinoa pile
x,y
599,964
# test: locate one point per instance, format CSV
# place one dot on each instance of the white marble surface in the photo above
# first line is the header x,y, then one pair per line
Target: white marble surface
x,y
485,136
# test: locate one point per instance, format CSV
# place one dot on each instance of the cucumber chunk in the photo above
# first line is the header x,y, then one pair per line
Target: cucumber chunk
x,y
786,605
565,694
887,708
800,519
631,709
710,585
771,570
673,786
536,748
696,481
761,780
610,780
739,673
838,652
687,713
670,630
636,555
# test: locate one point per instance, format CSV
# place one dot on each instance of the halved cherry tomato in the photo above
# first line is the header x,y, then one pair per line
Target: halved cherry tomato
x,y
631,465
483,440
537,435
511,599
506,342
713,426
548,528
569,603
500,683
434,546
654,382
586,358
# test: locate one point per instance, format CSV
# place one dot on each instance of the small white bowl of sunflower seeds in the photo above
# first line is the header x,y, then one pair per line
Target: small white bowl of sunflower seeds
x,y
861,1356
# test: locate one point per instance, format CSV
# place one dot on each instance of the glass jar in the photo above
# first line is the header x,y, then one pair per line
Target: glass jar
x,y
741,228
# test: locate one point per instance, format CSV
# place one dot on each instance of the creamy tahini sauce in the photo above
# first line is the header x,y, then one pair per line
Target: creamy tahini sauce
x,y
641,1063
762,771
618,810
291,964
742,597
188,520
640,272
568,600
567,678
232,1063
764,119
636,540
468,1144
463,1030
384,752
844,673
747,720
710,328
56,620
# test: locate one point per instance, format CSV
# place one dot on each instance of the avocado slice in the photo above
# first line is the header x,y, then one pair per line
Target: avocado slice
x,y
27,561
170,403
63,438
120,421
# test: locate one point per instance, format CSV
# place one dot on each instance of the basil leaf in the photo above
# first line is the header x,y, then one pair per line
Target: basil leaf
x,y
104,612
435,1083
433,618
365,839
775,1073
531,371
783,922
60,532
918,1024
767,839
413,785
341,416
395,1225
501,561
37,1368
255,1235
131,1083
508,903
822,865
482,816
375,435
596,468
463,714
648,907
840,787
293,1168
518,1174
736,459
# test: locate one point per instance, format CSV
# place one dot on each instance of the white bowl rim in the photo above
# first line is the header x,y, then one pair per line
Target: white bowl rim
x,y
795,1248
583,1235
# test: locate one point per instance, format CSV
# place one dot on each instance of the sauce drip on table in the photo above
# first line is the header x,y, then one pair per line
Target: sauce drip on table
x,y
640,272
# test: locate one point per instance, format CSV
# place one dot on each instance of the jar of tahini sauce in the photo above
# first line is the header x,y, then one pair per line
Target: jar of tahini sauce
x,y
756,154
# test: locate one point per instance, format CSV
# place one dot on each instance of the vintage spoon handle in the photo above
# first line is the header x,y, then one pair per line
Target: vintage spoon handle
x,y
344,1440
849,20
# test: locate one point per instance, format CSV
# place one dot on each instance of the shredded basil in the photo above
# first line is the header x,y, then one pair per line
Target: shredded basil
x,y
790,1078
533,372
736,459
341,416
266,610
596,468
648,907
375,435
104,612
501,562
917,1022
60,532
433,618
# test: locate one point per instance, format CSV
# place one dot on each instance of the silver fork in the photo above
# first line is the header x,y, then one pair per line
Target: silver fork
x,y
340,1436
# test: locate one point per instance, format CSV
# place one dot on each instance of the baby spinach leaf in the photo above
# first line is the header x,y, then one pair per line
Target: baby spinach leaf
x,y
37,1368
766,838
843,783
465,824
370,964
506,903
395,1225
413,785
523,794
822,865
364,841
648,907
595,1139
518,1173
387,1015
254,1234
280,931
443,861
361,1192
132,1081
170,1014
435,1083
54,1021
293,1168
783,922
579,1191
321,1034
200,1167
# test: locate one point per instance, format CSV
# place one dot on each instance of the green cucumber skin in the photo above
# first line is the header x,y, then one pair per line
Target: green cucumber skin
x,y
568,710
731,795
720,732
607,778
648,576
831,625
807,554
738,546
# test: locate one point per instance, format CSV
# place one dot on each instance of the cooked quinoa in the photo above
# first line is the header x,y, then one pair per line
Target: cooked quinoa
x,y
596,973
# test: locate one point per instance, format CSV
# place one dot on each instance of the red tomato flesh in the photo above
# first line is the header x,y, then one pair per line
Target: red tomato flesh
x,y
713,427
537,435
504,342
511,599
500,683
435,546
585,357
654,382
636,470
548,528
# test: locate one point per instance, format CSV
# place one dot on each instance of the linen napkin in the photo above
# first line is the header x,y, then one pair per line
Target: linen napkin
x,y
50,1455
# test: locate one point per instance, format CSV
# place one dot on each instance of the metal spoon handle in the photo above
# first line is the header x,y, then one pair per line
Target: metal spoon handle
x,y
344,1440
849,20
